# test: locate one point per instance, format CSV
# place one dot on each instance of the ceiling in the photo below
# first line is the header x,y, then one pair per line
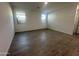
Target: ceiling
x,y
27,5
51,6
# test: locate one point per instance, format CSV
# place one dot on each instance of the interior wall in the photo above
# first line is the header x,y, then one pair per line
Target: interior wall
x,y
6,27
76,30
77,22
33,20
63,18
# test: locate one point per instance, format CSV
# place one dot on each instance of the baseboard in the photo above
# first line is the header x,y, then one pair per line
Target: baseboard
x,y
10,44
59,31
33,30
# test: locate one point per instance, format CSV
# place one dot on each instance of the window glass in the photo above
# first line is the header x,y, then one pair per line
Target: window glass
x,y
21,18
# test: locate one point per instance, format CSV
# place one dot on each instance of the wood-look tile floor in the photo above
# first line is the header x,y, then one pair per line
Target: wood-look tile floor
x,y
44,43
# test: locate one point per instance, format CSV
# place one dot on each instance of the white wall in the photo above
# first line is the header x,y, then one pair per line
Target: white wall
x,y
33,20
76,29
63,18
6,27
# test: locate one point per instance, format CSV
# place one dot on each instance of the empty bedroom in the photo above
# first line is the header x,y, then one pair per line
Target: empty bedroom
x,y
39,29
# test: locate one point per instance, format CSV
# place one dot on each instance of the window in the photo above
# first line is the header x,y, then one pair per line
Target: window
x,y
43,18
21,18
